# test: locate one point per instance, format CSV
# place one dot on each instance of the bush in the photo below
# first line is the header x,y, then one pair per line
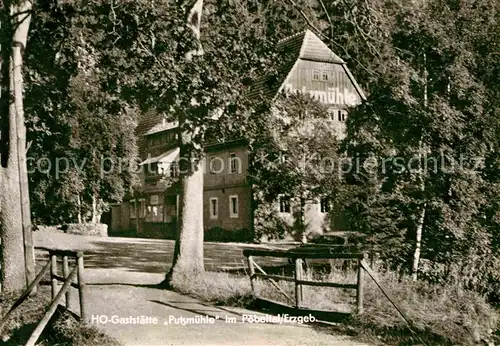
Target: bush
x,y
228,235
269,225
444,315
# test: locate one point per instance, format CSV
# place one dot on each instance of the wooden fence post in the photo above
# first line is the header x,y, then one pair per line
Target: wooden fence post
x,y
298,287
52,308
359,289
252,272
53,274
81,286
65,274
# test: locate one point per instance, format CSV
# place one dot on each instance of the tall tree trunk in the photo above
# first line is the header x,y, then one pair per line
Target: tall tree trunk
x,y
14,198
11,228
188,252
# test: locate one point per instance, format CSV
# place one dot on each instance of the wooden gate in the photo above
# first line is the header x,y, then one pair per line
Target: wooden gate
x,y
298,279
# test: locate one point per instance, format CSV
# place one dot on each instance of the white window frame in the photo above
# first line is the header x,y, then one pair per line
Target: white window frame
x,y
232,214
342,115
332,113
284,199
173,170
323,74
214,215
324,202
211,167
132,210
282,158
315,75
234,163
154,199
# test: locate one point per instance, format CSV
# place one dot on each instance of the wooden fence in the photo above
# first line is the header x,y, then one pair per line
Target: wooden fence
x,y
298,258
68,278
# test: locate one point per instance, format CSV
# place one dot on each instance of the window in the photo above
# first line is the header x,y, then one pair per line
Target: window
x,y
154,213
154,208
142,208
174,169
342,115
154,141
325,205
325,76
282,158
152,169
133,209
214,208
331,114
216,165
154,199
234,164
284,204
172,136
233,206
315,75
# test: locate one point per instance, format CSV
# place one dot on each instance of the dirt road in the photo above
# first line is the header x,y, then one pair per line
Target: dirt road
x,y
122,274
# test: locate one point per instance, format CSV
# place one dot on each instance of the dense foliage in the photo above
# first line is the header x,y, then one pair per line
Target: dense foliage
x,y
295,158
94,67
428,132
425,142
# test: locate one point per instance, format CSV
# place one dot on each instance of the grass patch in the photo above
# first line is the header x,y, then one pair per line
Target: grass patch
x,y
67,331
440,315
63,329
216,288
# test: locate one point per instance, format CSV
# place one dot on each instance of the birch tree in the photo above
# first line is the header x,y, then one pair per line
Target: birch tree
x,y
424,126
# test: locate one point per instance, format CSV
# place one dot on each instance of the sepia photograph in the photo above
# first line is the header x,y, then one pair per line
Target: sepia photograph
x,y
250,172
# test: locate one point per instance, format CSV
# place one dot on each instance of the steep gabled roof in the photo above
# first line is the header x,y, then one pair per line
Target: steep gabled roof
x,y
308,46
304,45
163,125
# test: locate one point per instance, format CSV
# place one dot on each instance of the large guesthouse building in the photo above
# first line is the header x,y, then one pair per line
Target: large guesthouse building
x,y
153,208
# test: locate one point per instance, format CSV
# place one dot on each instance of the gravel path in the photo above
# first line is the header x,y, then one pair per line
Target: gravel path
x,y
122,274
167,307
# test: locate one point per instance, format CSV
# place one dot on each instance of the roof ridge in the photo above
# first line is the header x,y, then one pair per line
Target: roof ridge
x,y
297,34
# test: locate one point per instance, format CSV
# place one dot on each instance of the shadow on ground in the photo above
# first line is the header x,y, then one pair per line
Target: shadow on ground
x,y
144,256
